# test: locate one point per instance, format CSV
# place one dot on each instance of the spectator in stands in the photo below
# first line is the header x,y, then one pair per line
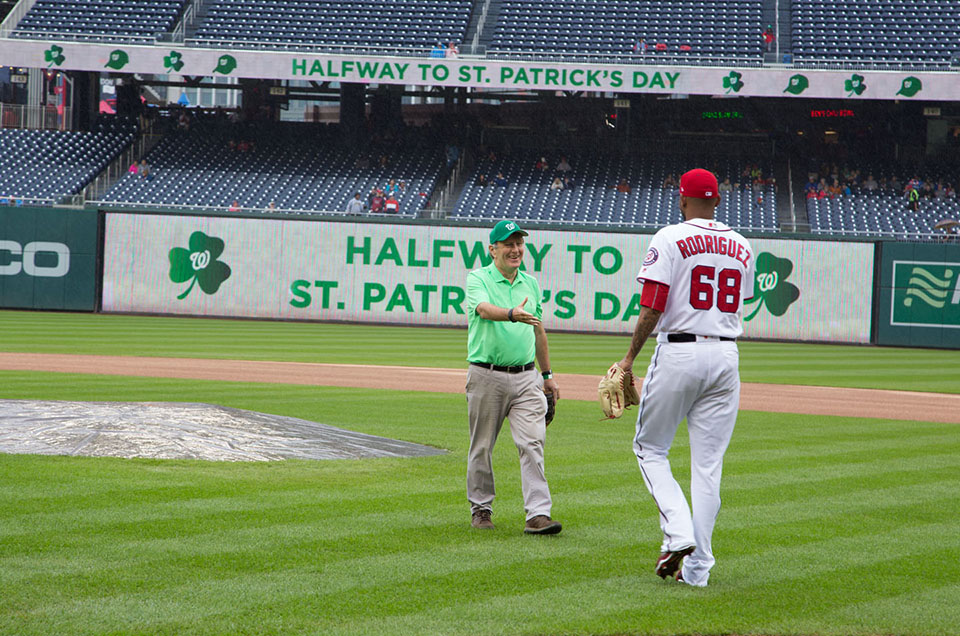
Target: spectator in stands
x,y
391,205
640,46
452,51
769,38
235,206
144,171
272,206
927,191
564,165
941,191
557,184
949,192
377,202
870,185
541,164
355,205
623,186
500,180
392,187
726,186
403,186
913,199
134,168
438,51
811,185
481,180
670,181
568,183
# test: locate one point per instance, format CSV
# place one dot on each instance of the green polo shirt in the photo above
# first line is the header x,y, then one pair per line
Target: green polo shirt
x,y
501,342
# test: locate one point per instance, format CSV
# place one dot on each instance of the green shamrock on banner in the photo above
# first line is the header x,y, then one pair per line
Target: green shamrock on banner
x,y
910,86
199,263
798,84
226,64
118,59
54,55
732,82
854,85
770,286
173,62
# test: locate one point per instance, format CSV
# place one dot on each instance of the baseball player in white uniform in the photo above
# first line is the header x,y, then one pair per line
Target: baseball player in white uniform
x,y
696,276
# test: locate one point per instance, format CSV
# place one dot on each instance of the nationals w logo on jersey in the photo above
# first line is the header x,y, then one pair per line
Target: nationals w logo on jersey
x,y
652,256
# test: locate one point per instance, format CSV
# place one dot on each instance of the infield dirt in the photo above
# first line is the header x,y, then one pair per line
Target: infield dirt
x,y
777,398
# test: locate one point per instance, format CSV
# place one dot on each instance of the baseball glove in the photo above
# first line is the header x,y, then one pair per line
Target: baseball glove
x,y
551,407
616,392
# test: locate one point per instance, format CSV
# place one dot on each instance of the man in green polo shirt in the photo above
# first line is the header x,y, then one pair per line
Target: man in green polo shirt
x,y
505,336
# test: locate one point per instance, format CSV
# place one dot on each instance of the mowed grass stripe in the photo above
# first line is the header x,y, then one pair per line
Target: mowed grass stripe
x,y
93,545
160,336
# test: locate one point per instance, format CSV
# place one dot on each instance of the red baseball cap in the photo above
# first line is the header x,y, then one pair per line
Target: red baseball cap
x,y
699,184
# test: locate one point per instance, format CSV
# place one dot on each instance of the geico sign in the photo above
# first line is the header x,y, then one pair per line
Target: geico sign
x,y
24,258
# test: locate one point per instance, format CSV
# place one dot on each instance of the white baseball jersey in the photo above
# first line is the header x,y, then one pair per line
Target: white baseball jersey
x,y
709,269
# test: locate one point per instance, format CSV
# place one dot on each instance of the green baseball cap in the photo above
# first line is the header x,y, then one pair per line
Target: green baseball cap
x,y
504,230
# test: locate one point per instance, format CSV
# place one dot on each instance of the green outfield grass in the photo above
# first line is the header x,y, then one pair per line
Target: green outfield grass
x,y
829,526
779,363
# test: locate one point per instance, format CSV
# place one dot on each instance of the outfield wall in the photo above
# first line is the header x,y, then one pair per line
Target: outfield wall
x,y
918,295
48,258
415,274
901,294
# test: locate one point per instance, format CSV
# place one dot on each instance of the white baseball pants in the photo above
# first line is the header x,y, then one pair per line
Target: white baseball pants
x,y
699,381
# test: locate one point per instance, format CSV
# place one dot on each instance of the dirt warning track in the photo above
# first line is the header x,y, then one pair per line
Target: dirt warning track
x,y
777,398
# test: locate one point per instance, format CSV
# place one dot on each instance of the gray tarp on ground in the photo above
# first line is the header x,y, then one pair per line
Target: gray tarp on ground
x,y
180,430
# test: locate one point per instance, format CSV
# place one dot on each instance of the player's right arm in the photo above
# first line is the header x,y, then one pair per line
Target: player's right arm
x,y
646,322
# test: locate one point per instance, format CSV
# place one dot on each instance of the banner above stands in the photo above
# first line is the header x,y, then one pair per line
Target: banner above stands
x,y
483,73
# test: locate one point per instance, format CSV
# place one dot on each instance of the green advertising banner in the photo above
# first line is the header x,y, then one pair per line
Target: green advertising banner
x,y
48,258
634,74
417,274
919,295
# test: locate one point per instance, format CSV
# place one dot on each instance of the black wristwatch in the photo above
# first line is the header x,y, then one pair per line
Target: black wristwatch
x,y
548,374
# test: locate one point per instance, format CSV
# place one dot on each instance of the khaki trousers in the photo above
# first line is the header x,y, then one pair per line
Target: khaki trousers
x,y
492,397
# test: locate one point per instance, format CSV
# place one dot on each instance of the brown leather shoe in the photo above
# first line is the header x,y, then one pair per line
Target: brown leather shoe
x,y
542,524
481,520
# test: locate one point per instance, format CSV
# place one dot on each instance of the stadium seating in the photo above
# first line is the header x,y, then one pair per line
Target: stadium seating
x,y
101,20
46,164
299,167
880,30
878,215
594,199
365,23
707,27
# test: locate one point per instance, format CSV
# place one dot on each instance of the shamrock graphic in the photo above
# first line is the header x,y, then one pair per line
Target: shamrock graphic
x,y
54,55
173,62
854,85
226,64
732,82
199,263
118,59
771,287
798,84
910,86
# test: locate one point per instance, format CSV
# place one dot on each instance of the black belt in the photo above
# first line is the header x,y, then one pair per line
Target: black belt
x,y
518,369
689,337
